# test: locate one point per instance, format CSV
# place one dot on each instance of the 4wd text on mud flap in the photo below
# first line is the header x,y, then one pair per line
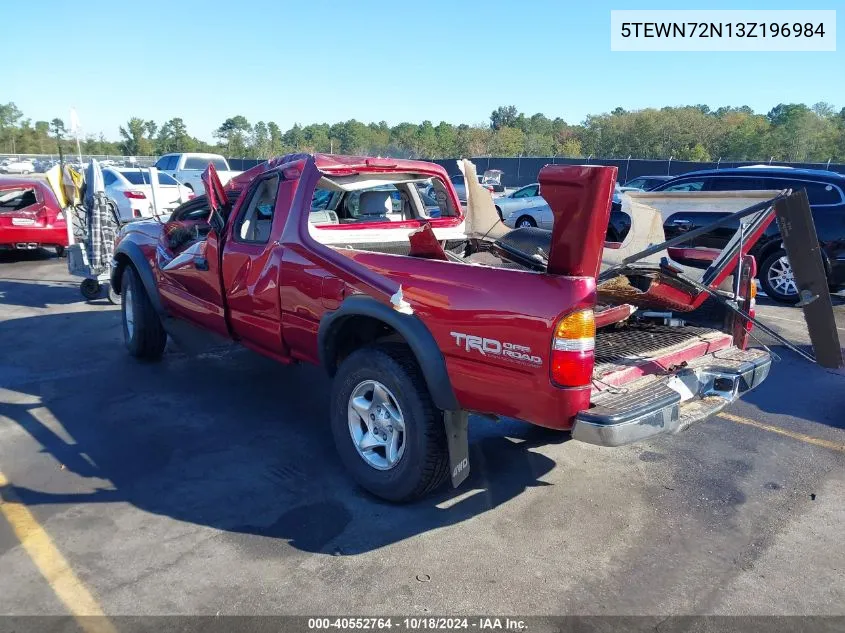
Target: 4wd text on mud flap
x,y
492,347
460,467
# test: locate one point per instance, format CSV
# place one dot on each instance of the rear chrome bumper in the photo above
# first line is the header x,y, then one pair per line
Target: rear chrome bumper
x,y
668,404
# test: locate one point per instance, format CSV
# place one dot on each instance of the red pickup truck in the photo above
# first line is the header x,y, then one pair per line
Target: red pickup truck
x,y
421,320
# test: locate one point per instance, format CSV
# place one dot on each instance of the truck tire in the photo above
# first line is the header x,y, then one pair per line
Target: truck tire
x,y
387,431
143,332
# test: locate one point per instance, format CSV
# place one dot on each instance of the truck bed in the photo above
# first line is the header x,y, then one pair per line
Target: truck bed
x,y
638,349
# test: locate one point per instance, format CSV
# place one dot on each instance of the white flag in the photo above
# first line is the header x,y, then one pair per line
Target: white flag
x,y
74,123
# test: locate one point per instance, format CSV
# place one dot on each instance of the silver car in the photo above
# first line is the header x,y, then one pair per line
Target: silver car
x,y
510,205
23,166
540,216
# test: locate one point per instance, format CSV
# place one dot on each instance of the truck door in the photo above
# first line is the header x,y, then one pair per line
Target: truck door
x,y
251,262
187,260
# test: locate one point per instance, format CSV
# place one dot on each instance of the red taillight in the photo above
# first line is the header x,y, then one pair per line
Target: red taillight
x,y
136,213
191,196
135,195
573,346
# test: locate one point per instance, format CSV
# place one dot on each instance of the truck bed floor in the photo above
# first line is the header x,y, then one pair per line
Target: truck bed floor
x,y
643,344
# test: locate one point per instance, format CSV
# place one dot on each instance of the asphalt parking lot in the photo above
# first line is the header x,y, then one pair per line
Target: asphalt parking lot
x,y
210,485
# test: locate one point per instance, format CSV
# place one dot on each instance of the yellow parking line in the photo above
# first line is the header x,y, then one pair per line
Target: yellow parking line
x,y
52,565
809,439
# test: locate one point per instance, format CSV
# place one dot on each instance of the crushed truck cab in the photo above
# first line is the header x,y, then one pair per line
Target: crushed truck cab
x,y
423,317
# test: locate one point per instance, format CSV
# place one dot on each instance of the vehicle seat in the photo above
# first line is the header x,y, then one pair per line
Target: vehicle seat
x,y
404,212
258,219
528,246
374,206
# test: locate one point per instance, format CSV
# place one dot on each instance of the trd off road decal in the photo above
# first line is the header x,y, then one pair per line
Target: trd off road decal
x,y
492,347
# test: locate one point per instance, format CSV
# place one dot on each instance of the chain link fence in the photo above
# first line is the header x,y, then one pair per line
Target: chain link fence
x,y
520,171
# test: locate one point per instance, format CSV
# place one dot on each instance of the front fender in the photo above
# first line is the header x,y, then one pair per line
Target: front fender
x,y
410,327
129,250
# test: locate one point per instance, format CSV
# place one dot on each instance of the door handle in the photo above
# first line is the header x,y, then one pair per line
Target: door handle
x,y
683,225
200,263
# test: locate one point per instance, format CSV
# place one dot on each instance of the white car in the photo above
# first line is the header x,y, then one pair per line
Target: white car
x,y
523,198
132,193
187,168
19,167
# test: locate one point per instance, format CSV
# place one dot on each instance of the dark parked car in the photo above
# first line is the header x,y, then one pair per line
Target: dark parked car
x,y
647,183
827,201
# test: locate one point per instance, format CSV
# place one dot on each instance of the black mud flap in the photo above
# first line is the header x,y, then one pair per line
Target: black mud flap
x,y
458,441
798,232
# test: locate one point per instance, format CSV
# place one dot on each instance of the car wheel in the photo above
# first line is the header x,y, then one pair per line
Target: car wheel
x,y
387,431
60,251
143,332
25,172
777,279
525,221
90,289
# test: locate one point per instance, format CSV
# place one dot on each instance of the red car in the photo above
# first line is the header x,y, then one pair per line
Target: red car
x,y
314,258
30,216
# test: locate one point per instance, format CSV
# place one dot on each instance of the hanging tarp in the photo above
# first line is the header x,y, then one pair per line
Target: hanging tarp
x,y
101,221
54,179
72,185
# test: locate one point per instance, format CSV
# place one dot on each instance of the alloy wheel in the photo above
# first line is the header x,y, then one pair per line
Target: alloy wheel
x,y
781,278
376,425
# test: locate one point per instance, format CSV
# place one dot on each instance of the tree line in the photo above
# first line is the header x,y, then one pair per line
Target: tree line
x,y
791,132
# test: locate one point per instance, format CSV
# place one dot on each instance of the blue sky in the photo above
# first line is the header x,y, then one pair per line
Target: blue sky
x,y
319,61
